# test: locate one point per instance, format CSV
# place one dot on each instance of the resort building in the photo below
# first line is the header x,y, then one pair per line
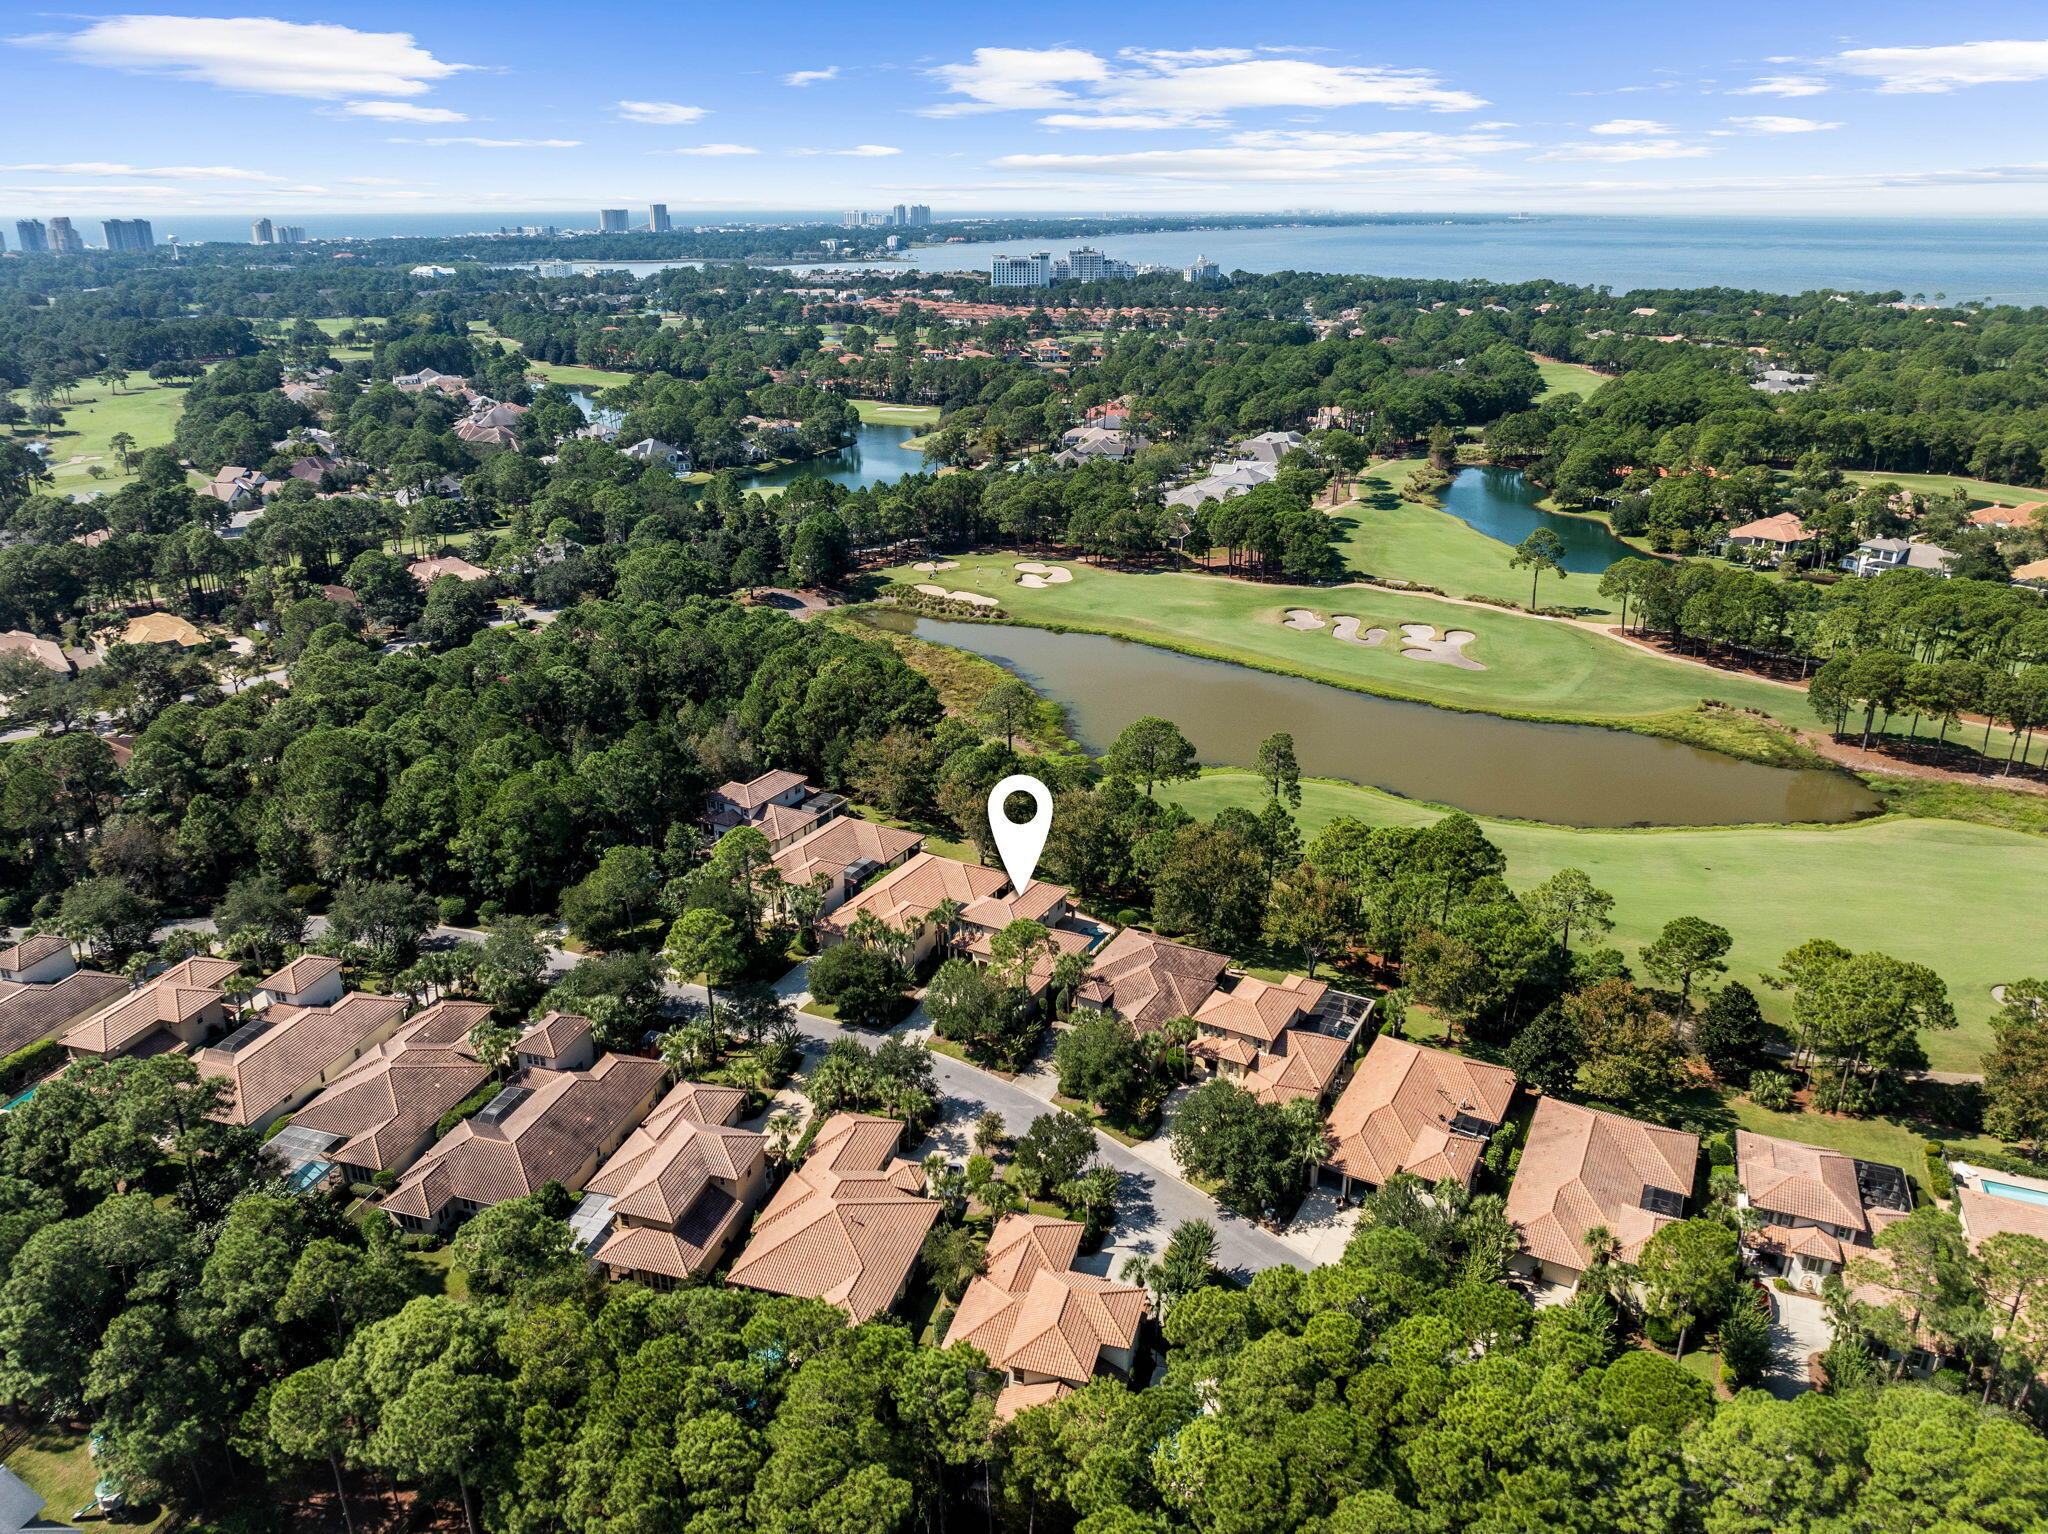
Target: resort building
x,y
1818,1205
544,1126
182,1006
287,1053
1583,1168
1413,1109
379,1113
847,1224
670,1201
848,854
1047,1327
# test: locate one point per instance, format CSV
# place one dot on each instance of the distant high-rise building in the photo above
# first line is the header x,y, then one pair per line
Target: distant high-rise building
x,y
657,218
260,233
853,218
1032,271
290,234
30,235
611,220
128,234
899,215
64,240
1204,273
920,215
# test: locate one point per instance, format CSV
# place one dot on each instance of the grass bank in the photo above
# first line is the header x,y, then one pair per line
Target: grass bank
x,y
880,412
1949,895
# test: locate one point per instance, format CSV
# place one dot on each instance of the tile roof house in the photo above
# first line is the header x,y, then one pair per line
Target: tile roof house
x,y
160,628
2020,516
1419,1110
545,1126
678,1191
48,651
30,1013
237,488
381,1109
2031,574
1047,1327
1582,1167
846,853
310,980
428,378
846,1226
1259,1034
447,1022
1818,1204
288,1053
479,434
782,806
180,1006
1148,981
561,1041
39,960
904,898
1783,534
427,571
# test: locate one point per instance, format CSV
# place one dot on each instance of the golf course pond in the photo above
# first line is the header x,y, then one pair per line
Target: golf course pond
x,y
1502,504
1566,774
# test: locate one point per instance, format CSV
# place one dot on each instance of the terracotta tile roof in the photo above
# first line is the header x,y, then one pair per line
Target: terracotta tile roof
x,y
555,1035
179,994
1031,1312
1798,1240
904,896
1012,1399
980,941
778,821
664,1182
161,628
2036,571
550,1135
1395,1116
2007,516
756,792
679,1250
388,1101
447,1022
29,952
294,1050
48,651
839,844
1986,1215
32,1012
1258,1009
1148,981
1582,1167
1301,1064
427,571
846,1226
1787,1178
1785,527
307,970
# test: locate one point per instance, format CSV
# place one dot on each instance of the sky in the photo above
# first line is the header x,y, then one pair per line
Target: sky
x,y
1808,108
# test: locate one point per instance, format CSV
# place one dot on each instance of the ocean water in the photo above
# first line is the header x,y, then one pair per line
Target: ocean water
x,y
2002,260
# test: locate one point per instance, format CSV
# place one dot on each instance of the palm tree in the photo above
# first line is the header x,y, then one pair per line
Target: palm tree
x,y
782,1131
1605,1274
945,916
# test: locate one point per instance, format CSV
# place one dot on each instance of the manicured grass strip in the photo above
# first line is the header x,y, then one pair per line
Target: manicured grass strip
x,y
1985,490
1570,378
147,411
879,412
1536,668
577,377
1961,899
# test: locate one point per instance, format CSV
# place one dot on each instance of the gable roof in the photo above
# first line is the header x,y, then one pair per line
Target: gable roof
x,y
1259,1009
664,1180
447,1022
1582,1167
1785,1177
1148,980
839,844
755,792
386,1102
846,1226
304,972
550,1135
1396,1114
32,1012
555,1035
296,1047
179,994
30,952
1300,1064
1032,1312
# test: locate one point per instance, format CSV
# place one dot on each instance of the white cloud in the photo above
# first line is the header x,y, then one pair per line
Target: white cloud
x,y
662,112
1781,124
867,151
1783,85
811,76
1229,164
1947,68
1633,127
1132,121
163,172
372,181
1165,89
713,149
1620,151
1394,144
255,53
496,143
403,112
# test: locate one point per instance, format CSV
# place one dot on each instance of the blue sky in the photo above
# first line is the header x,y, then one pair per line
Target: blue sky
x,y
1805,108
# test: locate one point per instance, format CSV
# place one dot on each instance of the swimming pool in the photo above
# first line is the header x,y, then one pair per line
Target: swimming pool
x,y
18,1100
2014,1191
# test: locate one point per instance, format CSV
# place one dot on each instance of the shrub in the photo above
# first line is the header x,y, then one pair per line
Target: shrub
x,y
452,909
1773,1090
278,1126
31,1063
470,1104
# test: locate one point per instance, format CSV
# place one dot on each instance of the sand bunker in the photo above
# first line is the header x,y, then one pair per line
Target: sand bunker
x,y
1346,629
1301,618
933,566
1419,641
1036,574
1031,580
930,590
1031,567
981,601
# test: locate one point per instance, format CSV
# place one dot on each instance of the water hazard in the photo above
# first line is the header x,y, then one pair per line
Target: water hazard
x,y
1502,504
1574,775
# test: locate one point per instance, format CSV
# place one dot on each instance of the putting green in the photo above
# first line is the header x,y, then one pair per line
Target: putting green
x,y
1958,898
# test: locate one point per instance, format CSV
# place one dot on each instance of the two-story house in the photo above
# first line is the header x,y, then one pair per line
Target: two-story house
x,y
1818,1205
678,1192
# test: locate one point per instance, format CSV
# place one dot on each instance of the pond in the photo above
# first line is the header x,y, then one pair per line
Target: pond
x,y
1574,775
1501,503
877,456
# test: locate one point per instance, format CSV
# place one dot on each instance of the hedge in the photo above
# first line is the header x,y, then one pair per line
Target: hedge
x,y
470,1104
30,1063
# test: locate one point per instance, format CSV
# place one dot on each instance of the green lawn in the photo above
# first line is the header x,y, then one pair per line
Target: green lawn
x,y
1569,377
1988,491
878,412
146,411
1535,667
1913,888
56,1462
577,377
1384,535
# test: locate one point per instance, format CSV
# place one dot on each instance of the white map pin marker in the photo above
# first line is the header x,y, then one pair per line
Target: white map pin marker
x,y
1019,845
